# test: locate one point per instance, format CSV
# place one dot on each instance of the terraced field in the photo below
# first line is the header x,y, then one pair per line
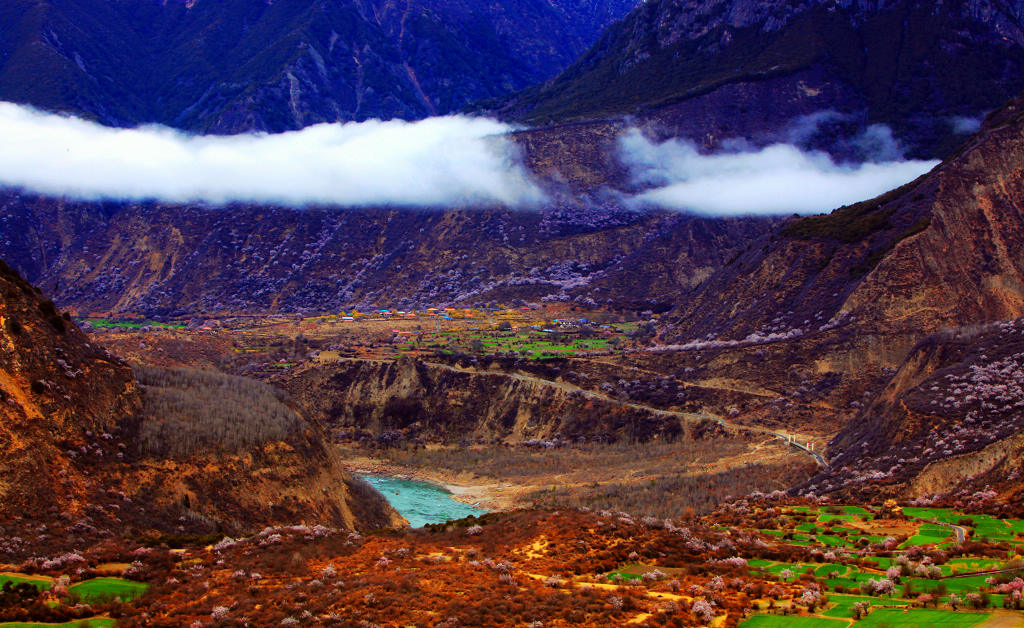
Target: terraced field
x,y
906,565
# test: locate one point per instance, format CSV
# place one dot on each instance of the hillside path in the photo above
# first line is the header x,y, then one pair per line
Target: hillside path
x,y
792,439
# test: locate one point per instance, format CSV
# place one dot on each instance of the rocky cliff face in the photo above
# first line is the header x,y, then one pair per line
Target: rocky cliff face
x,y
734,68
234,66
436,402
164,259
71,423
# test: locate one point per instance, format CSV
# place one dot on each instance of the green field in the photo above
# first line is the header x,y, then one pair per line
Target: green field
x,y
625,573
529,342
920,618
967,584
95,622
967,565
760,562
38,582
825,569
945,515
829,517
817,527
844,604
105,323
797,569
794,621
99,589
830,540
928,534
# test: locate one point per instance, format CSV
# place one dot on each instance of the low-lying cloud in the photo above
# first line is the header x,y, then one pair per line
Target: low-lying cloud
x,y
438,162
778,179
964,125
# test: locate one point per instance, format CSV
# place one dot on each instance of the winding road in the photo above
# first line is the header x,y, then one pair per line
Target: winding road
x,y
960,531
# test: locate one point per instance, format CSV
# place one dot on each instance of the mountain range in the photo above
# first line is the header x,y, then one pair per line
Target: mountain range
x,y
236,66
724,69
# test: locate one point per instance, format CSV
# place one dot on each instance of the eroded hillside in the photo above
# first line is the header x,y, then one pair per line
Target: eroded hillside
x,y
87,450
168,259
849,295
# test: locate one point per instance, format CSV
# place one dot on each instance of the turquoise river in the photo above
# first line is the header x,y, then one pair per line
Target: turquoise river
x,y
420,502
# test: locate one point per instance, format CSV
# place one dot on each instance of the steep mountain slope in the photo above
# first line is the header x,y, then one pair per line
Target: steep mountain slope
x,y
849,295
84,451
235,65
939,252
736,68
55,388
163,259
948,421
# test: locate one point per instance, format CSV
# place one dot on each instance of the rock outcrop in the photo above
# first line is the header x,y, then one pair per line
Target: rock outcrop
x,y
417,400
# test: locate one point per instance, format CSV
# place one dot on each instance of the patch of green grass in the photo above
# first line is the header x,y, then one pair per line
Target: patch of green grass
x,y
43,585
844,604
99,589
796,568
920,618
1017,525
968,584
945,515
760,562
825,569
853,579
625,574
829,517
95,622
791,621
928,534
966,565
117,324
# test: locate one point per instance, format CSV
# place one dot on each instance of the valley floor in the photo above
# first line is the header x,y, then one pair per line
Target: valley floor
x,y
651,478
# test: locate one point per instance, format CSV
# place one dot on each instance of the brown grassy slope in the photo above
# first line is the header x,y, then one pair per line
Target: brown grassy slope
x,y
494,575
233,452
57,391
72,428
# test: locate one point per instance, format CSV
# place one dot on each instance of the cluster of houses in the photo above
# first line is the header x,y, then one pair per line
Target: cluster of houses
x,y
448,313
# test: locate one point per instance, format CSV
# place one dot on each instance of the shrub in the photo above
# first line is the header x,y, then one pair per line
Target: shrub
x,y
189,412
14,327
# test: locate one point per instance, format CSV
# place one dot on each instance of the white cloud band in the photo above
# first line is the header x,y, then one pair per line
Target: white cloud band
x,y
438,162
778,179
